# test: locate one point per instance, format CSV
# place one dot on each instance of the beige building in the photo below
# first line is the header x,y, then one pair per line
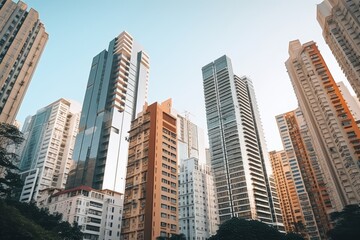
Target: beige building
x,y
335,134
301,167
289,201
151,189
22,40
339,20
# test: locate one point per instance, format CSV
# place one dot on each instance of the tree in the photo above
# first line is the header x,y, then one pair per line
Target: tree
x,y
347,223
180,236
240,229
293,236
10,138
237,228
19,220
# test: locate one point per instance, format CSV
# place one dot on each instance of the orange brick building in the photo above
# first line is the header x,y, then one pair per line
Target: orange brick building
x,y
151,198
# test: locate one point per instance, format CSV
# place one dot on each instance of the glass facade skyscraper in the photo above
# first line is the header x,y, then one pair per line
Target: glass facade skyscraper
x,y
116,91
238,152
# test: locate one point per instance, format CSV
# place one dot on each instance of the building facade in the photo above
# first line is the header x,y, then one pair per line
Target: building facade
x,y
98,213
198,213
46,155
237,146
288,198
22,40
190,138
340,22
310,201
335,134
352,102
116,91
151,190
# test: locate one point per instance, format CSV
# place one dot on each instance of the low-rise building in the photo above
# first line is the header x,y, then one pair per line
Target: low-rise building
x,y
98,212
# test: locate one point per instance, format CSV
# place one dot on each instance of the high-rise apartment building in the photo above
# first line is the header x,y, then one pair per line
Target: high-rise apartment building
x,y
116,91
288,198
237,146
22,40
298,171
198,213
46,155
151,190
340,22
335,134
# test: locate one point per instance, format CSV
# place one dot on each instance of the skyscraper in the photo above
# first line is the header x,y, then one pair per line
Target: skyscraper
x,y
237,146
151,190
340,21
22,40
289,202
335,134
46,157
300,174
116,91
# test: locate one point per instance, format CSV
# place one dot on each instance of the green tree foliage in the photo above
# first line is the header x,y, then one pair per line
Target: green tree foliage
x,y
180,236
241,229
10,138
26,221
347,223
14,225
293,236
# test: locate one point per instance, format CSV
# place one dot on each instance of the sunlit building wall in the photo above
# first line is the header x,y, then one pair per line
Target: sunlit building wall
x,y
306,174
22,41
351,101
288,198
335,134
151,190
116,91
340,22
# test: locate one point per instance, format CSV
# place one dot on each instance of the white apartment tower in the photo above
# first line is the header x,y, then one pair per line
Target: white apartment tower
x,y
46,155
198,213
239,158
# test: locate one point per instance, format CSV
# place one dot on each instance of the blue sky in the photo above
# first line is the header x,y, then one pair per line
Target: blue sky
x,y
180,37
